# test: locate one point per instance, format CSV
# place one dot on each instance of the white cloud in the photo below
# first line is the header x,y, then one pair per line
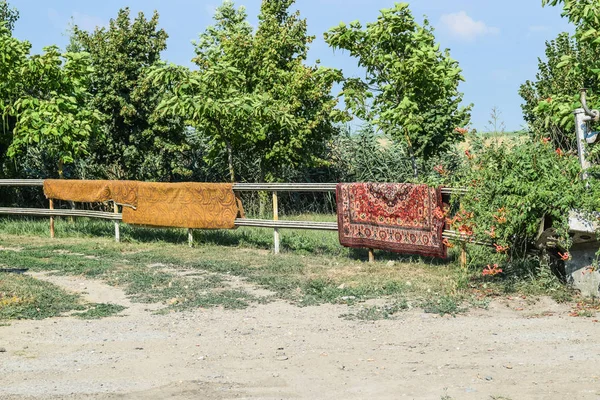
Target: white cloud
x,y
466,28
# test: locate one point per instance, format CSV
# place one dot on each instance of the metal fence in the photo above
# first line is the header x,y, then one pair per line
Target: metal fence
x,y
276,224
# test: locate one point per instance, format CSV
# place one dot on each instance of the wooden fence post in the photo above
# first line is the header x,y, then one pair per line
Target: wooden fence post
x,y
463,255
117,226
191,237
275,218
52,219
371,256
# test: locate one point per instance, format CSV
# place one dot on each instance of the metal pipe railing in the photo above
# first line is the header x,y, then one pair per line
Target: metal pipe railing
x,y
45,212
243,187
239,187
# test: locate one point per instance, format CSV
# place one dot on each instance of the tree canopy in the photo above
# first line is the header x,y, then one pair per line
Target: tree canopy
x,y
253,92
572,62
8,15
138,143
410,87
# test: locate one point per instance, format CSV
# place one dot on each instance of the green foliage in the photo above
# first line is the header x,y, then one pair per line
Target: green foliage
x,y
13,57
252,92
552,97
8,15
100,310
139,144
54,111
365,156
23,297
443,305
572,63
512,188
376,313
410,90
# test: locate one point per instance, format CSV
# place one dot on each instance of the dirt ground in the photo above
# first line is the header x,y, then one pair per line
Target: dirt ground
x,y
513,350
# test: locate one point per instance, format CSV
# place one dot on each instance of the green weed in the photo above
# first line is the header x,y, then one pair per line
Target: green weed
x,y
443,305
23,297
100,310
375,313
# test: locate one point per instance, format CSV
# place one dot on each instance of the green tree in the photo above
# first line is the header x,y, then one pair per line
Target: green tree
x,y
53,111
572,62
8,15
13,56
252,93
551,98
139,144
410,87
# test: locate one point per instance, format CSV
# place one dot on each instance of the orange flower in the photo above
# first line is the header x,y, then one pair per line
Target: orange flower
x,y
500,249
492,271
440,170
447,243
546,140
549,100
467,215
462,131
565,256
492,232
500,219
559,152
469,155
465,229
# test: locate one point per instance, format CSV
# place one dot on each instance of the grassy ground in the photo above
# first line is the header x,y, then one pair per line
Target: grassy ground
x,y
157,266
23,297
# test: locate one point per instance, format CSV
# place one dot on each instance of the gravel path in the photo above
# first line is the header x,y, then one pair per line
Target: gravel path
x,y
279,351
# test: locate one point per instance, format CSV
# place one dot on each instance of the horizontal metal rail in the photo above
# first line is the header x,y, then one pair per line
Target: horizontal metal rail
x,y
243,187
238,187
262,223
309,187
284,187
44,212
449,234
21,182
257,223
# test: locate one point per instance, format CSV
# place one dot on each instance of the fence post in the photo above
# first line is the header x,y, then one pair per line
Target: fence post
x,y
117,226
371,256
463,255
191,237
275,218
52,219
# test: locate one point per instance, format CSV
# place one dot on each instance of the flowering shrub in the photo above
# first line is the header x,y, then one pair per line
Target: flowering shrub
x,y
511,189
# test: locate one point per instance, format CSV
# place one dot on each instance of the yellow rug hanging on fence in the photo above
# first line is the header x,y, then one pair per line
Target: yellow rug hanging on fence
x,y
184,205
81,191
92,191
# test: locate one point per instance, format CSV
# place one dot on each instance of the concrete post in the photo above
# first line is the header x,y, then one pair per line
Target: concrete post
x,y
581,128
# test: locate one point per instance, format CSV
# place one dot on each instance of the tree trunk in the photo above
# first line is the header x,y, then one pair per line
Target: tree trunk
x,y
413,159
230,161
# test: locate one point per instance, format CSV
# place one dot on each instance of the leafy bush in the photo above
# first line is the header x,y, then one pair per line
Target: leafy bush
x,y
512,188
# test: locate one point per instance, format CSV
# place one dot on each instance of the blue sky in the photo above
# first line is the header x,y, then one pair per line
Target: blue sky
x,y
496,42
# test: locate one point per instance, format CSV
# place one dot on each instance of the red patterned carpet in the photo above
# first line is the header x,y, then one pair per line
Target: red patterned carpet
x,y
397,217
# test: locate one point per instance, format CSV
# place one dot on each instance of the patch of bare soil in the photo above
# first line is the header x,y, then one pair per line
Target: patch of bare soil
x,y
517,349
